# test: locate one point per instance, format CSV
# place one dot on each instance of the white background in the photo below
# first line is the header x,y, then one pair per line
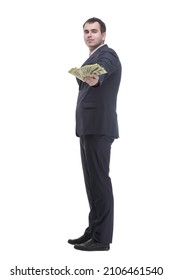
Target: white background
x,y
43,201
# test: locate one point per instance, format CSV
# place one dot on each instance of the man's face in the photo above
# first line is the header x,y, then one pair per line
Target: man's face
x,y
93,36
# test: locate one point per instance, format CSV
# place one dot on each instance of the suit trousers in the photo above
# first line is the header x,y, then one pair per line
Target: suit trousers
x,y
95,156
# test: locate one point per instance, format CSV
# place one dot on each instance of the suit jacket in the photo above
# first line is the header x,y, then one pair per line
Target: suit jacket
x,y
96,105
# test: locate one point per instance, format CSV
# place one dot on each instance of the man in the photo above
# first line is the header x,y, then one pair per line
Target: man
x,y
97,127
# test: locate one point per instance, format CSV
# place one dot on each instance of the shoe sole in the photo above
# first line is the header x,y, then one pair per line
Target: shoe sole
x,y
89,250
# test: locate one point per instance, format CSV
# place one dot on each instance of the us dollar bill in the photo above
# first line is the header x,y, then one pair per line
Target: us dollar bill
x,y
87,70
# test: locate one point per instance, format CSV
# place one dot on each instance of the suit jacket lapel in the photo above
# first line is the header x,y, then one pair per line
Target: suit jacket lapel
x,y
94,55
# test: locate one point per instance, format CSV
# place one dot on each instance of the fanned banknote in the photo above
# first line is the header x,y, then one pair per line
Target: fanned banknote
x,y
87,70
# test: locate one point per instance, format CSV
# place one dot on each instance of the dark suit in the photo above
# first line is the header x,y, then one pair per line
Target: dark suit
x,y
97,126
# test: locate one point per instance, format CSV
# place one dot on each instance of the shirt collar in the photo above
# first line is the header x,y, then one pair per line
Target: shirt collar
x,y
96,49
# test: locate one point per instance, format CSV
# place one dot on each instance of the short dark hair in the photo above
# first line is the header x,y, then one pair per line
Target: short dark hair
x,y
94,19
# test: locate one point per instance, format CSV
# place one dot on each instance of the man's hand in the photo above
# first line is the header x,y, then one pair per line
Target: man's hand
x,y
92,80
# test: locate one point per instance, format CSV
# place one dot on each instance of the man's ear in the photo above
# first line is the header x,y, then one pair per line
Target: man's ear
x,y
103,36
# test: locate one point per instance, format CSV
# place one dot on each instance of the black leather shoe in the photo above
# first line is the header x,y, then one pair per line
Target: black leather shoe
x,y
79,240
92,245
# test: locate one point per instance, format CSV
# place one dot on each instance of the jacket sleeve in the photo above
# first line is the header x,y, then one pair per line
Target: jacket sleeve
x,y
111,63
